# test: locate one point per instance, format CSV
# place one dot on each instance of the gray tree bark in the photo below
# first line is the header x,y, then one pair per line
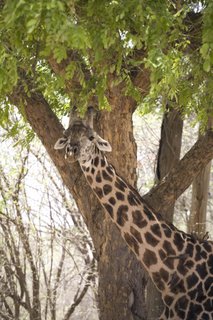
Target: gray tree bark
x,y
200,187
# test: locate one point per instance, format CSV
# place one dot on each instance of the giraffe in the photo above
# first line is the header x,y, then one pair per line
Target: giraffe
x,y
179,264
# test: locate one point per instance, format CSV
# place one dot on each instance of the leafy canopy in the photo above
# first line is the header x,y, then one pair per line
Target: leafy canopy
x,y
103,43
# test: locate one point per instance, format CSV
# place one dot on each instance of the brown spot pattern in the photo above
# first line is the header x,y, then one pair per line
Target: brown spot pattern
x,y
138,219
122,215
107,189
131,199
155,228
106,176
158,280
119,196
149,258
98,177
96,162
112,201
119,184
150,239
109,209
136,234
99,192
132,242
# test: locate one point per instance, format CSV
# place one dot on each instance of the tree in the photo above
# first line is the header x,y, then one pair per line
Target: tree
x,y
114,55
40,246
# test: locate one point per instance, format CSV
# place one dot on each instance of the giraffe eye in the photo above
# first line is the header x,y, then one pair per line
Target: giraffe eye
x,y
91,138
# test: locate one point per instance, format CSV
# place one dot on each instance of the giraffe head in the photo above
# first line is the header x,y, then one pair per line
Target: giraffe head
x,y
80,140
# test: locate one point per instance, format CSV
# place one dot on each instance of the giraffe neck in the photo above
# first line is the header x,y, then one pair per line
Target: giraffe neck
x,y
157,245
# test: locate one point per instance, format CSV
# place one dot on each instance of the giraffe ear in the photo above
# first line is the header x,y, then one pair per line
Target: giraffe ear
x,y
102,144
60,144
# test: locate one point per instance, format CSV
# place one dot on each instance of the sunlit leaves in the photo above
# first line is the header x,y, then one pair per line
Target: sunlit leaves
x,y
109,39
52,87
8,70
207,46
60,53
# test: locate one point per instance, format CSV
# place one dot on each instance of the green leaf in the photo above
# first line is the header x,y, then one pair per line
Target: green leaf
x,y
207,65
70,70
60,53
31,25
204,50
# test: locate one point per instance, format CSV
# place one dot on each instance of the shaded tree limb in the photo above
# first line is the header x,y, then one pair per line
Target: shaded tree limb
x,y
57,280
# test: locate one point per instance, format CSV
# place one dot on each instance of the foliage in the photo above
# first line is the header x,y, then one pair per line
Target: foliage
x,y
102,43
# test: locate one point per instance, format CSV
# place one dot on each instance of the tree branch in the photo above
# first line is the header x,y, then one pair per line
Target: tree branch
x,y
141,76
60,68
164,195
79,296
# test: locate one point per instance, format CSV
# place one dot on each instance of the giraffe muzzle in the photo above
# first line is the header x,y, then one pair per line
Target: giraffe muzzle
x,y
71,153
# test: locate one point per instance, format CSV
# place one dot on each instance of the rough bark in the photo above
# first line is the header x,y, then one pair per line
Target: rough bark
x,y
200,187
168,157
169,149
163,196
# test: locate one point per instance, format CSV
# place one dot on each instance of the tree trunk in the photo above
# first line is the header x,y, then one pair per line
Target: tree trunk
x,y
168,157
121,276
200,187
169,149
